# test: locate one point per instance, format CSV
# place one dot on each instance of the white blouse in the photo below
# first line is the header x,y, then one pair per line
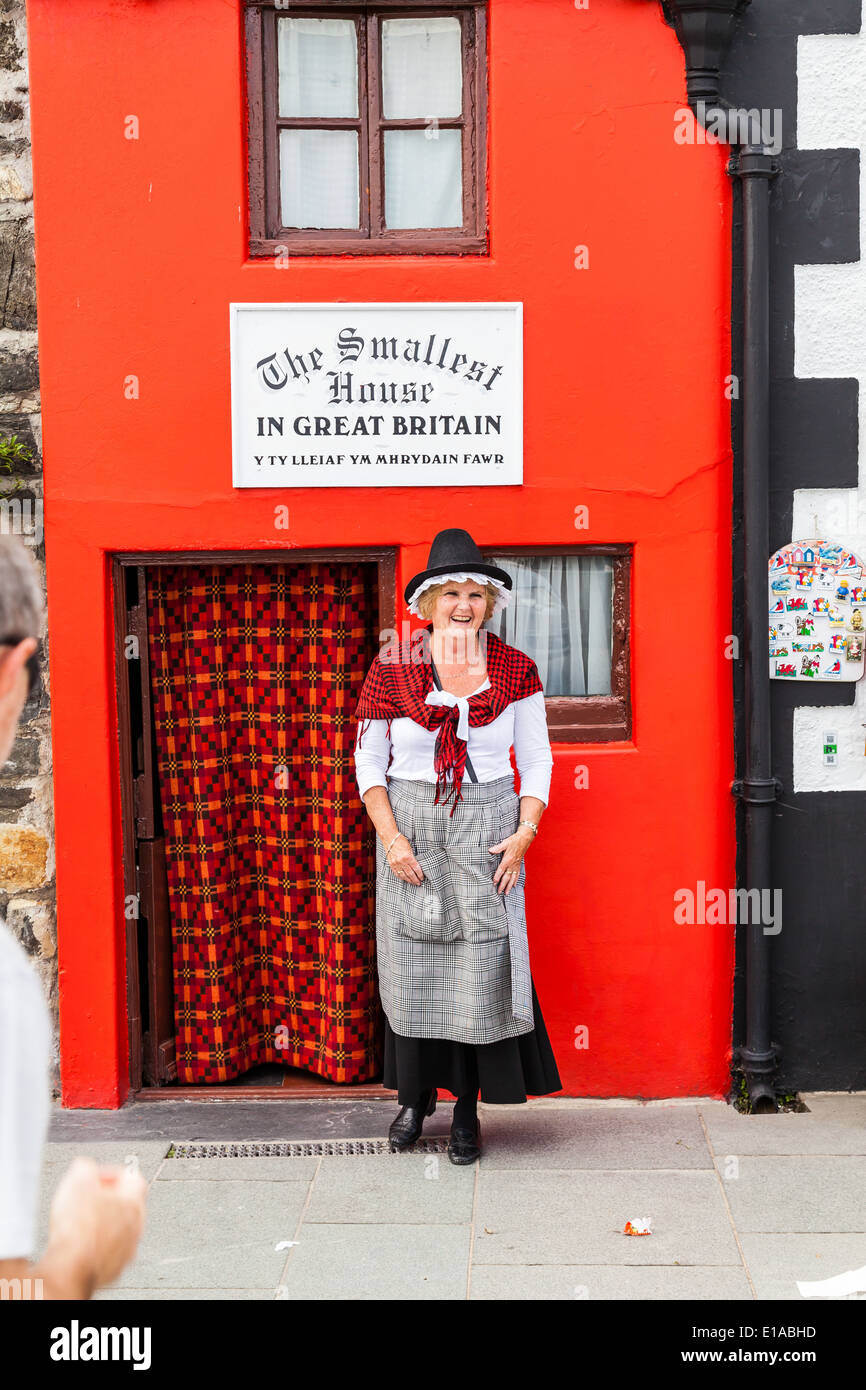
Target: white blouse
x,y
521,725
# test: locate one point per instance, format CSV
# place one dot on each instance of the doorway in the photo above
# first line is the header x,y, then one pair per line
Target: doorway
x,y
248,856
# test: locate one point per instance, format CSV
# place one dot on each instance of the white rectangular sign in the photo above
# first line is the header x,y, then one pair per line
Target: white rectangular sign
x,y
377,395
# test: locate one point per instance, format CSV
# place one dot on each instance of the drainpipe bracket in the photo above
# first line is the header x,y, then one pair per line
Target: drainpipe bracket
x,y
757,1064
758,165
754,161
757,791
758,1059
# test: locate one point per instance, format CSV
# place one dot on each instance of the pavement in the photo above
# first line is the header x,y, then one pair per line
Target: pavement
x,y
741,1206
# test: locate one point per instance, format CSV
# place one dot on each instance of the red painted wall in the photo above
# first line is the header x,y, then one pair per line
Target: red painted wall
x,y
140,249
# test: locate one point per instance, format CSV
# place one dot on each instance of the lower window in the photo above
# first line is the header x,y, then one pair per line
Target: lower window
x,y
569,611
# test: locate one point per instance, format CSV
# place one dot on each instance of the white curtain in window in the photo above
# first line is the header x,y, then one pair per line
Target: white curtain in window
x,y
422,78
423,178
422,71
319,178
317,61
560,614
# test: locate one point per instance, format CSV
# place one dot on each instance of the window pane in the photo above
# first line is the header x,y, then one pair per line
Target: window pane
x,y
319,178
423,178
422,71
561,614
318,67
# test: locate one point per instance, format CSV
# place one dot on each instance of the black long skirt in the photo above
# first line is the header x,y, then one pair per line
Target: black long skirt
x,y
504,1072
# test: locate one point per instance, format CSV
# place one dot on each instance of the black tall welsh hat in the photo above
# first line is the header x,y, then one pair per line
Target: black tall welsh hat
x,y
454,555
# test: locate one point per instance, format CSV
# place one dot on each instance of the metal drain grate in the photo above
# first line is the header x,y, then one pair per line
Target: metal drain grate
x,y
313,1148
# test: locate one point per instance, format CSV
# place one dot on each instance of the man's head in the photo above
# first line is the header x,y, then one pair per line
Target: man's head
x,y
20,618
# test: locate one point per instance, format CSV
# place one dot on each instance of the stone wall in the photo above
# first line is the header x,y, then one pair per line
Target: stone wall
x,y
26,828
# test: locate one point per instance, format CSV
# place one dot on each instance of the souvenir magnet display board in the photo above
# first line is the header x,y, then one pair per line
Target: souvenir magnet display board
x,y
817,608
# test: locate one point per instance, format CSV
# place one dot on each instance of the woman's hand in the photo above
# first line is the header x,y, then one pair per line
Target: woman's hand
x,y
402,861
514,846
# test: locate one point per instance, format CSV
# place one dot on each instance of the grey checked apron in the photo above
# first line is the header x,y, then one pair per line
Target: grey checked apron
x,y
453,955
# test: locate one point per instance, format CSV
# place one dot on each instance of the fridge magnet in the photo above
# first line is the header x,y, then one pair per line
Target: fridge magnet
x,y
816,591
801,554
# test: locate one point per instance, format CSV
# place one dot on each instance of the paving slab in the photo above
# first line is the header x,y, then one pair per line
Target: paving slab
x,y
215,1234
181,1295
381,1189
575,1283
574,1139
833,1125
361,1261
300,1169
230,1120
148,1154
776,1262
531,1217
795,1193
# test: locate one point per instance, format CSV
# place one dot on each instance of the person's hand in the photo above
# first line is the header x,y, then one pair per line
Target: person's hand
x,y
403,863
514,846
97,1217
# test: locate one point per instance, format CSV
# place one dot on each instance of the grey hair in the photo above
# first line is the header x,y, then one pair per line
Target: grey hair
x,y
20,591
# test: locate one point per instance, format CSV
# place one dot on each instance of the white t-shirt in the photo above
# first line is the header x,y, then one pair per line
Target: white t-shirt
x,y
521,725
25,1050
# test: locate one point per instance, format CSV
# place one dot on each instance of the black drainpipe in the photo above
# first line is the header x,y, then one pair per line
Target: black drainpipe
x,y
704,31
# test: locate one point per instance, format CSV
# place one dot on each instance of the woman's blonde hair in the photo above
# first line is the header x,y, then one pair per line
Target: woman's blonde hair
x,y
429,597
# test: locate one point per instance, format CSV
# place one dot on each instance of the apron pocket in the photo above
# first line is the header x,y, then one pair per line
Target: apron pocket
x,y
482,909
428,911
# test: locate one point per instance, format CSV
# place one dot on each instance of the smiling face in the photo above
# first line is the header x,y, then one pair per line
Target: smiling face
x,y
459,607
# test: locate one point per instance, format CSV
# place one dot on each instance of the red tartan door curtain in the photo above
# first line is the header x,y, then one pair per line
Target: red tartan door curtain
x,y
255,673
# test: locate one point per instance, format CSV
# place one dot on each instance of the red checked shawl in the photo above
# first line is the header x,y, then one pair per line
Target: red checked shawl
x,y
397,689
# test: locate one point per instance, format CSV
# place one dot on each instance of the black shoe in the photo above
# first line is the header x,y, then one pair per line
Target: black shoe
x,y
464,1145
406,1128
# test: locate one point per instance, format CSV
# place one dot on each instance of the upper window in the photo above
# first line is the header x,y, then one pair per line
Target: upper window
x,y
367,127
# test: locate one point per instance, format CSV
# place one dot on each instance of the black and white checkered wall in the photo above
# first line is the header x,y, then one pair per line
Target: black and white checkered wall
x,y
804,62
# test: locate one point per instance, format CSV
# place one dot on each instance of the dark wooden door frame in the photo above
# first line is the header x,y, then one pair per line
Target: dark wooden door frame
x,y
128,572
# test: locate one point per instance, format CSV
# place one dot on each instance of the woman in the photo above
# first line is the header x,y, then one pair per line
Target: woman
x,y
454,979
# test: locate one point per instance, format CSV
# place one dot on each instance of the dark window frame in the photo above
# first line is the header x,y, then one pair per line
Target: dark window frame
x,y
592,718
267,237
